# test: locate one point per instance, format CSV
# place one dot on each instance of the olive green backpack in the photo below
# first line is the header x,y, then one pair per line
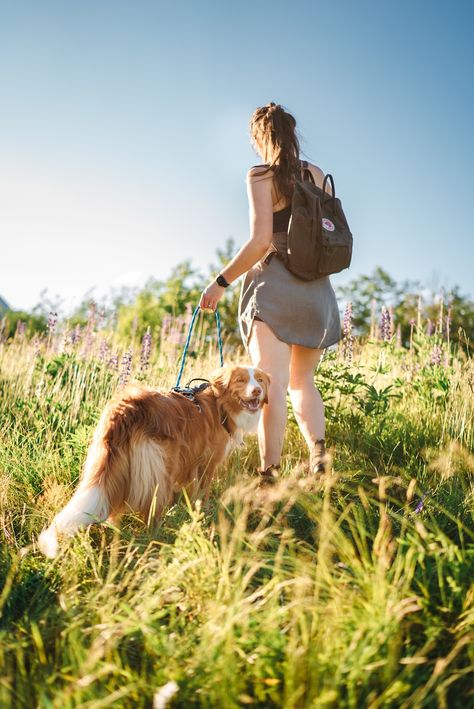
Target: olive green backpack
x,y
319,241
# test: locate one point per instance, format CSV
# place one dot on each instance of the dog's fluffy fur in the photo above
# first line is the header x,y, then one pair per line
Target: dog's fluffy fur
x,y
149,444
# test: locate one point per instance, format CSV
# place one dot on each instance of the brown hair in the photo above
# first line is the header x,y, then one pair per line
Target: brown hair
x,y
274,130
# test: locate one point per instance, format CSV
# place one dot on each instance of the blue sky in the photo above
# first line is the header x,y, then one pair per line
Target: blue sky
x,y
124,133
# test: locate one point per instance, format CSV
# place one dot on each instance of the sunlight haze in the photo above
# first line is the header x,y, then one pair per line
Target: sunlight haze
x,y
124,134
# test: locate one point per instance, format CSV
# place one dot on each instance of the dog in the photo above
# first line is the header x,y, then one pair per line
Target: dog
x,y
151,443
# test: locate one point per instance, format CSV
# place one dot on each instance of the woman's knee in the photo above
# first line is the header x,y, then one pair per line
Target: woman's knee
x,y
272,356
300,381
278,389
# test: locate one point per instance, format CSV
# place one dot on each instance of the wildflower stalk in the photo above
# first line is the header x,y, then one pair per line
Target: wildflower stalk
x,y
145,351
348,339
126,367
385,326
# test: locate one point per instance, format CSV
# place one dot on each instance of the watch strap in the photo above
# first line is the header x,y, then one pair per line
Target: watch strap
x,y
221,281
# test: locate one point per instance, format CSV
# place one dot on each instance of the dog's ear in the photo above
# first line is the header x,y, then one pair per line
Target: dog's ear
x,y
220,380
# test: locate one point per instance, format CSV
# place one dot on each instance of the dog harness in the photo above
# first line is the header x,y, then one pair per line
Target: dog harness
x,y
190,393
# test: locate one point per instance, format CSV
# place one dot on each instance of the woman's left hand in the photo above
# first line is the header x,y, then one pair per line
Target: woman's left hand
x,y
211,296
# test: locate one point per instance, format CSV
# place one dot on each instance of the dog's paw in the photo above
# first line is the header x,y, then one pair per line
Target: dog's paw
x,y
48,542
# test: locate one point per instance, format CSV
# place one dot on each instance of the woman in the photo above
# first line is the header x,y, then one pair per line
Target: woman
x,y
285,322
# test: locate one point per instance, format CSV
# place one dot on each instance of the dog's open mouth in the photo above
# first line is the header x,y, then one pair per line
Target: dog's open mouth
x,y
250,404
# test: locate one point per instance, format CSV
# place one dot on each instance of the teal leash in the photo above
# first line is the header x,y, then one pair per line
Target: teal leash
x,y
186,347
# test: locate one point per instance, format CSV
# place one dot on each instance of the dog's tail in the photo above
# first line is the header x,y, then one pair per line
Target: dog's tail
x,y
102,488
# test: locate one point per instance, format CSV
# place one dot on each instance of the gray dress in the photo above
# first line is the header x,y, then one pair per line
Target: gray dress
x,y
299,312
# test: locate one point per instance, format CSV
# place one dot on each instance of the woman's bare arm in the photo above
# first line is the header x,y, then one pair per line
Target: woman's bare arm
x,y
259,190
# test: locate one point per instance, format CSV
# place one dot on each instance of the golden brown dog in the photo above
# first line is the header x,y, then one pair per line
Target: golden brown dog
x,y
150,443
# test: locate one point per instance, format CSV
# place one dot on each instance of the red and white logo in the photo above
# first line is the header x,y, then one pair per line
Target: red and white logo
x,y
328,225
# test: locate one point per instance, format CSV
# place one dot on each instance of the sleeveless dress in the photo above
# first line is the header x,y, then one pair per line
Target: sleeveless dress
x,y
299,312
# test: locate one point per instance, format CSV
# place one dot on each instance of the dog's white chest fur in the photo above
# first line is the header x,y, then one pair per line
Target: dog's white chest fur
x,y
246,422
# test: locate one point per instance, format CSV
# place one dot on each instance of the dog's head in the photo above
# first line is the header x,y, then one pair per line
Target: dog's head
x,y
246,388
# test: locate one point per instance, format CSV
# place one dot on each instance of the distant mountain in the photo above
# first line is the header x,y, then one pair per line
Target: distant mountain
x,y
3,305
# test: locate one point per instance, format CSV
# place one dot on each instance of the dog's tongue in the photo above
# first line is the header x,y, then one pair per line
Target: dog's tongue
x,y
253,404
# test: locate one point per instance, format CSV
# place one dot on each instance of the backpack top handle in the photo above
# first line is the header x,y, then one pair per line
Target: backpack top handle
x,y
333,196
308,177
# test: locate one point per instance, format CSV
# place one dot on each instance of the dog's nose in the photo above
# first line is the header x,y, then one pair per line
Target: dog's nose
x,y
256,391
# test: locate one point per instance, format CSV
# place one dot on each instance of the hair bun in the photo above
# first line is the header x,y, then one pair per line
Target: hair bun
x,y
272,107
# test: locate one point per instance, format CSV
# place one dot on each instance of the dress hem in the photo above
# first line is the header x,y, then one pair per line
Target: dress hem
x,y
300,344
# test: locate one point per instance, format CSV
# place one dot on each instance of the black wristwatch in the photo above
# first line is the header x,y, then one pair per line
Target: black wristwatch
x,y
221,281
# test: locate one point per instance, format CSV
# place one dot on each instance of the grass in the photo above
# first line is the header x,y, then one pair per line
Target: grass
x,y
350,591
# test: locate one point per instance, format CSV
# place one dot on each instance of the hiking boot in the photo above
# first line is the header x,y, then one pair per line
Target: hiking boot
x,y
318,460
270,475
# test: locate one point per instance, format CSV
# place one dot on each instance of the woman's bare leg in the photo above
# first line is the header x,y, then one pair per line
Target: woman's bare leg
x,y
273,356
305,398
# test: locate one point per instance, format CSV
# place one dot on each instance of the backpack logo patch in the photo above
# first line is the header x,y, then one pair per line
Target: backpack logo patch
x,y
328,225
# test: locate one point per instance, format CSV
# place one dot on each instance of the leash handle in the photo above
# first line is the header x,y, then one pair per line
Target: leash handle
x,y
188,339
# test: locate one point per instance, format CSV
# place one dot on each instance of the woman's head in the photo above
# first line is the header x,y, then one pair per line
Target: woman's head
x,y
273,131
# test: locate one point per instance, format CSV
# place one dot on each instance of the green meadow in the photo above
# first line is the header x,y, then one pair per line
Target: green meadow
x,y
354,589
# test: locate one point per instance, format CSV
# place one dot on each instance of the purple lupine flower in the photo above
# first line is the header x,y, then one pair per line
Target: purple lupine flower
x,y
436,355
385,326
36,342
176,337
429,327
347,321
104,350
101,317
113,362
439,324
88,341
89,329
52,320
146,350
421,504
76,335
64,341
391,313
126,367
448,323
165,323
348,339
20,328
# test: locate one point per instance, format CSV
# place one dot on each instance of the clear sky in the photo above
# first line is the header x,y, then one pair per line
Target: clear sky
x,y
124,133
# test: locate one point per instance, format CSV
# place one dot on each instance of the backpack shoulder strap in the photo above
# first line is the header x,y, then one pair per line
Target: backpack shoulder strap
x,y
307,174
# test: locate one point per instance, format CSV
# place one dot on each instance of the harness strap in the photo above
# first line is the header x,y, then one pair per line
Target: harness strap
x,y
190,393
